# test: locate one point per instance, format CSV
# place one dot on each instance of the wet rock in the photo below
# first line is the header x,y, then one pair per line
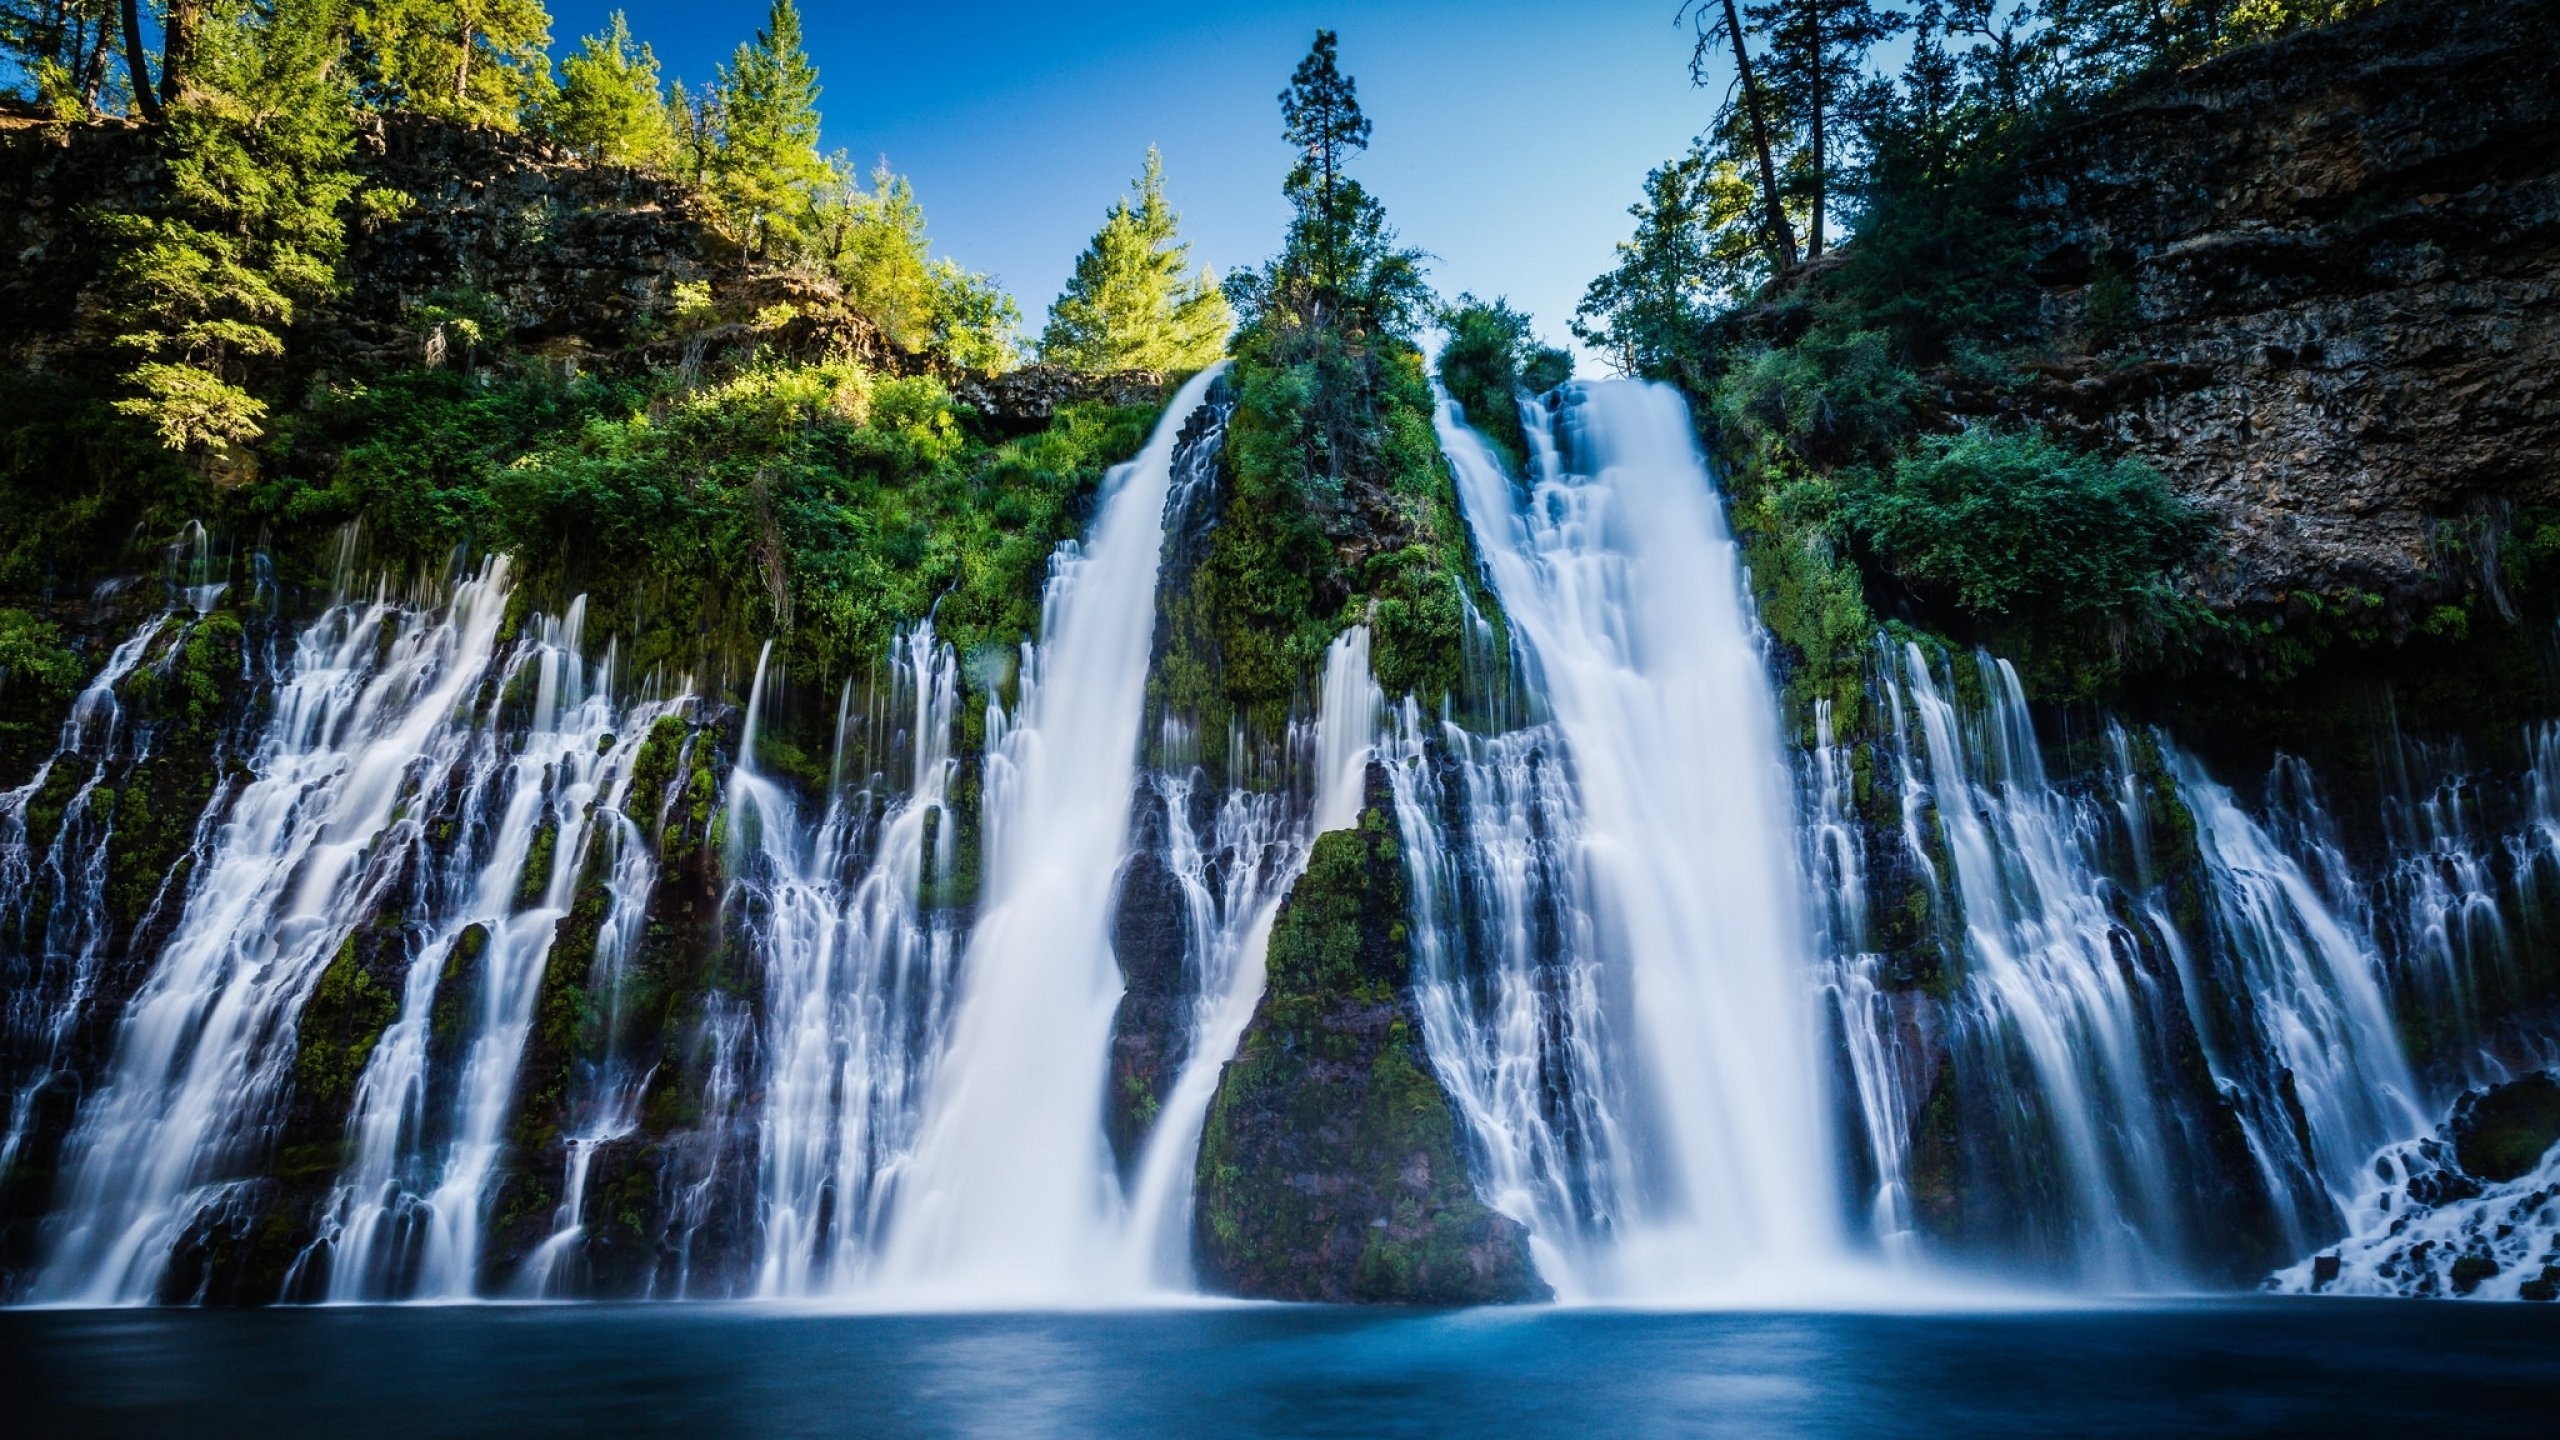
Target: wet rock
x,y
2502,1133
1332,1167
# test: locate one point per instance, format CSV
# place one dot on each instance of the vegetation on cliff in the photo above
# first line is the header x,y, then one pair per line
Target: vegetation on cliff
x,y
1873,398
1336,508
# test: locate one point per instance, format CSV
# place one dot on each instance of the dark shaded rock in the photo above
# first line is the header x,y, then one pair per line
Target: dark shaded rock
x,y
1332,1166
1149,929
2343,252
2502,1133
1020,401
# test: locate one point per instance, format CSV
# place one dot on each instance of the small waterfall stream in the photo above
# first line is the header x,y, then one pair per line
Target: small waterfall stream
x,y
1008,1195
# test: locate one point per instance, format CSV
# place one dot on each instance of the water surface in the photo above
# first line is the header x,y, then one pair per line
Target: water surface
x,y
2253,1367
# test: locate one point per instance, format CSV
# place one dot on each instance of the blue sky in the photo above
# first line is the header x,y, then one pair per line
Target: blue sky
x,y
1511,137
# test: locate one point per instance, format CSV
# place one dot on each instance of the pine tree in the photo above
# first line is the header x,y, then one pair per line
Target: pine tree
x,y
1699,239
1133,303
1720,20
66,47
609,106
482,62
1340,268
203,285
1817,49
768,168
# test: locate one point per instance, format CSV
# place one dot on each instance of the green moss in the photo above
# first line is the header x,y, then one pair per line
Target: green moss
x,y
1329,1121
341,1024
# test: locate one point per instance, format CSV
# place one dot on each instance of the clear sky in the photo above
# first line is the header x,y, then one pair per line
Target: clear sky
x,y
1511,136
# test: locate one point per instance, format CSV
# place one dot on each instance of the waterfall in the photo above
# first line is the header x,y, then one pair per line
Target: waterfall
x,y
53,901
1508,978
1009,1195
365,707
1626,592
2126,1000
2294,1021
526,798
857,978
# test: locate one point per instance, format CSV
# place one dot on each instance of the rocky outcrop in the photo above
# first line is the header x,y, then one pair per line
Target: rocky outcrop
x,y
1332,1167
1020,401
2317,283
529,244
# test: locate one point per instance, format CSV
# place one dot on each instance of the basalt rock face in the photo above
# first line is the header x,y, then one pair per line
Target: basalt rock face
x,y
544,251
2318,285
1332,1167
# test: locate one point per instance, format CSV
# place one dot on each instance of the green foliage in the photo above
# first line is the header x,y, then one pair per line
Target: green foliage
x,y
873,242
818,502
341,1024
2006,523
610,107
67,49
1340,268
1132,302
1697,243
201,287
767,170
1829,397
38,678
481,62
1489,359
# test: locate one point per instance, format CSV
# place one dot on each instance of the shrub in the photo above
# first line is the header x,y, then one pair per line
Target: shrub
x,y
2010,524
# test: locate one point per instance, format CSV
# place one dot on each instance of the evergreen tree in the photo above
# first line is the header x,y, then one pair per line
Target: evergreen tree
x,y
256,149
1719,20
1699,240
1133,303
975,326
1817,53
481,62
66,49
1340,268
768,169
696,119
609,106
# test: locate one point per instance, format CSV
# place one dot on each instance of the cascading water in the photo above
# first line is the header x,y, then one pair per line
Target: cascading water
x,y
1008,1194
2111,1033
1232,887
1627,595
55,914
204,1049
1507,977
857,980
526,797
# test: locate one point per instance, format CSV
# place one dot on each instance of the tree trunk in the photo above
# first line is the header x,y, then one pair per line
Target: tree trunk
x,y
178,45
1780,235
1821,102
462,72
139,64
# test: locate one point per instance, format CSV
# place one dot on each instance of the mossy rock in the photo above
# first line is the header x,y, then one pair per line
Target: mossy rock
x,y
2502,1133
1332,1167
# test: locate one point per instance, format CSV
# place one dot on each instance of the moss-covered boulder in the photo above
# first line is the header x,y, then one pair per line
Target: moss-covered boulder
x,y
1332,1167
2502,1133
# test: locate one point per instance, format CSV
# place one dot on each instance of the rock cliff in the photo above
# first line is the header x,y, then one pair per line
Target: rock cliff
x,y
2317,283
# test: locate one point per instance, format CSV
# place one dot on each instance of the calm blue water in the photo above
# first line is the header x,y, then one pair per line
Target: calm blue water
x,y
2406,1369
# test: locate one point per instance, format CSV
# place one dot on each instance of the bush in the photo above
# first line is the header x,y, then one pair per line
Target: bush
x,y
1490,358
1830,398
2009,524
